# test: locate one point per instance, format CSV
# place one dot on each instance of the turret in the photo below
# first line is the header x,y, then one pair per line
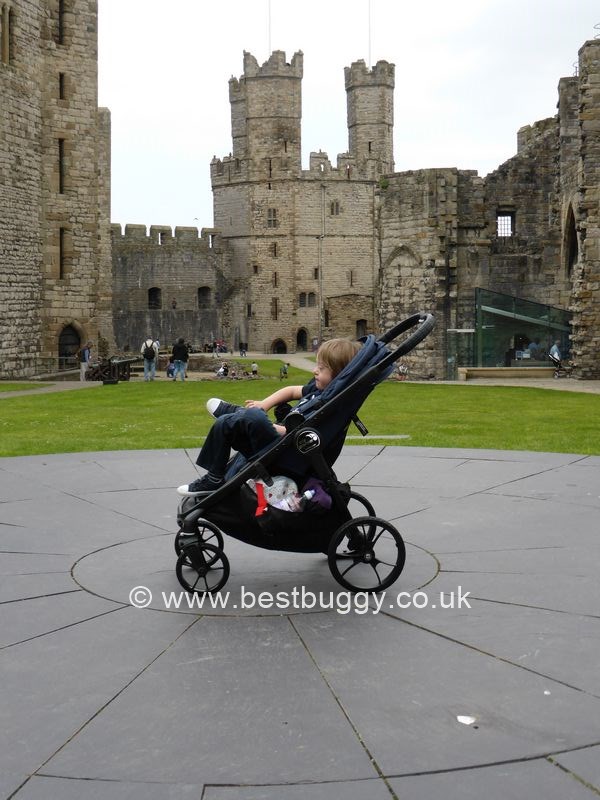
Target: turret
x,y
370,103
266,113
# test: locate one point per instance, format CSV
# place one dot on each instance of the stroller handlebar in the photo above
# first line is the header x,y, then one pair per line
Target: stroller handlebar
x,y
425,323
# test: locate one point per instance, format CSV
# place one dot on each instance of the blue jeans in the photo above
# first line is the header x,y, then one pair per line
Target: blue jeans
x,y
149,369
179,369
248,431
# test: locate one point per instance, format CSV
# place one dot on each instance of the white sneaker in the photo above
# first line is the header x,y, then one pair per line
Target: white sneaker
x,y
218,408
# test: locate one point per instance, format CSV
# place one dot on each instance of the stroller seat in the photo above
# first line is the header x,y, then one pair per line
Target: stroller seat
x,y
365,553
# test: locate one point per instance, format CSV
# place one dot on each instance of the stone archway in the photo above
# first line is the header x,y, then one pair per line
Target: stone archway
x,y
302,339
279,346
69,342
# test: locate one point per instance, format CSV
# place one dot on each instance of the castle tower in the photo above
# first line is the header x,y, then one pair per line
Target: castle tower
x,y
302,241
370,104
55,270
266,112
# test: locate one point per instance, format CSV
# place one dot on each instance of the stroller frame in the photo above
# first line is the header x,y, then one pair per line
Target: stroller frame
x,y
559,370
365,553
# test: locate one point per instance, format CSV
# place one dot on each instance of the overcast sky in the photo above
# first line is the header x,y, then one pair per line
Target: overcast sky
x,y
469,74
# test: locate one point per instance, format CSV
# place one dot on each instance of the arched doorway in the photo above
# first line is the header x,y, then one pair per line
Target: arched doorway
x,y
301,339
279,346
68,345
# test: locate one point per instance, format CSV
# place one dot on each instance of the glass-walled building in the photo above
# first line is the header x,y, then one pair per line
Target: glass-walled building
x,y
508,332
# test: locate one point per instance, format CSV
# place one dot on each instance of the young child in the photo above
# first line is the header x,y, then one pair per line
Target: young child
x,y
248,429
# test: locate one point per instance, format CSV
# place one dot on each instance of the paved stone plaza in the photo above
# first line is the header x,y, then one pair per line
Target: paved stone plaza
x,y
500,700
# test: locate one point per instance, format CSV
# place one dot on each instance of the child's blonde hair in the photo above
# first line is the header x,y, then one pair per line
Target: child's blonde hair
x,y
336,353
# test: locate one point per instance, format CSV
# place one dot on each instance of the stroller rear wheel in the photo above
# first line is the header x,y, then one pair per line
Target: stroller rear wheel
x,y
206,530
366,554
202,568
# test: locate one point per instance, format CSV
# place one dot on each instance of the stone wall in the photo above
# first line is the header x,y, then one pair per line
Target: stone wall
x,y
20,197
55,177
586,295
188,270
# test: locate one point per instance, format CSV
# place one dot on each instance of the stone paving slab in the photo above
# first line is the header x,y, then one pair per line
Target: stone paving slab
x,y
105,701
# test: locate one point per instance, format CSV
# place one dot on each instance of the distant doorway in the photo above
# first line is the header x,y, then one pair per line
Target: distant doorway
x,y
279,346
68,345
301,339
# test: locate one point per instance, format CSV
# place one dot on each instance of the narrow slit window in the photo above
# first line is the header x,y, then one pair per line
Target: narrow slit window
x,y
61,166
60,33
275,280
62,258
61,85
274,308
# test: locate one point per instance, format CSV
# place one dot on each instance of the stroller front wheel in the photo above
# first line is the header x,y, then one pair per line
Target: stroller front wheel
x,y
202,568
366,554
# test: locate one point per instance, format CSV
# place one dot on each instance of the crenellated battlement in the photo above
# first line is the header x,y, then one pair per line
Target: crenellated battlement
x,y
275,66
358,74
162,235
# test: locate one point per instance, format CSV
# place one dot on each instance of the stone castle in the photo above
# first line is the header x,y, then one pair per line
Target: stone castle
x,y
293,255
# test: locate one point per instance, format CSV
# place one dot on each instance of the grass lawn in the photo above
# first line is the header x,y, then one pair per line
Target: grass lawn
x,y
165,415
21,387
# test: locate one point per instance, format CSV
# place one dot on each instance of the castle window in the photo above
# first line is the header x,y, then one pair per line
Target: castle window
x,y
370,143
334,208
61,85
62,257
204,297
272,221
312,299
275,280
249,310
61,166
274,249
571,245
302,299
361,328
326,317
238,165
255,268
316,273
274,308
505,223
270,168
285,145
6,35
351,277
60,29
154,298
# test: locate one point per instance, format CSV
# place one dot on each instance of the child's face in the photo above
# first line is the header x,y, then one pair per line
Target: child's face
x,y
323,376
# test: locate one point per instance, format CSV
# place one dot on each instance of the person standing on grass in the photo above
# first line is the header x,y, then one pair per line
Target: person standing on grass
x,y
85,356
180,357
149,350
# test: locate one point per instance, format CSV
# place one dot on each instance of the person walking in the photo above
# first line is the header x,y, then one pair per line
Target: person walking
x,y
149,350
180,355
85,356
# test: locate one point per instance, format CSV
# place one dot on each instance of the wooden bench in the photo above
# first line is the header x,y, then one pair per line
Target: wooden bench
x,y
465,373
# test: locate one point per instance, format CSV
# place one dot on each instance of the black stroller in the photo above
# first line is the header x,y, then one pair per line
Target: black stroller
x,y
365,553
560,371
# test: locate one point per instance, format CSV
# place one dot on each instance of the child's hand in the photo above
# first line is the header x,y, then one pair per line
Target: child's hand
x,y
254,404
